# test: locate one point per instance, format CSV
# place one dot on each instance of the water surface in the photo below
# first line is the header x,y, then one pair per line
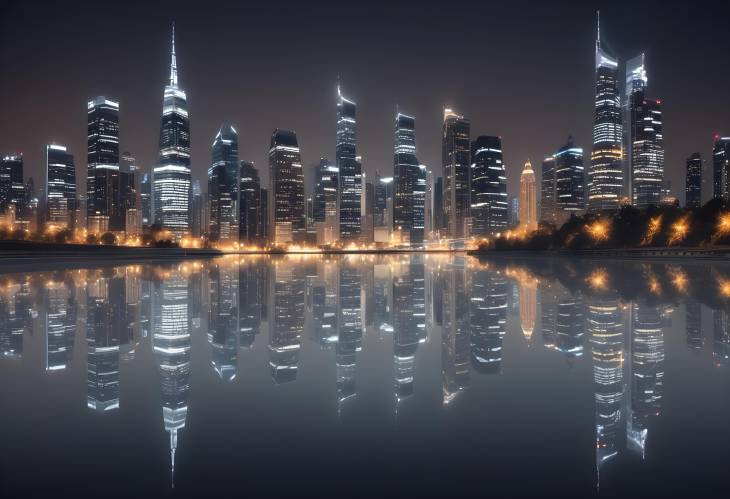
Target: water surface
x,y
401,375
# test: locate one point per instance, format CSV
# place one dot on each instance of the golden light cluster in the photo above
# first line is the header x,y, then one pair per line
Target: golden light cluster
x,y
599,230
652,229
679,230
679,279
723,285
598,279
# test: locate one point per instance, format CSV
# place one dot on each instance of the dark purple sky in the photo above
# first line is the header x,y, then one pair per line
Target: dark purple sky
x,y
522,70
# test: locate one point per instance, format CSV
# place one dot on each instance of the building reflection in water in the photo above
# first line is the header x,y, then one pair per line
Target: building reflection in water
x,y
172,344
124,310
287,322
487,319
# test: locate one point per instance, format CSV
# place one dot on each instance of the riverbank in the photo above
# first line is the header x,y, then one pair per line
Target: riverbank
x,y
19,252
716,253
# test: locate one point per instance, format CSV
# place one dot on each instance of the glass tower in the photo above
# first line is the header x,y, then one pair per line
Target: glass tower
x,y
456,161
223,186
720,164
405,175
605,176
569,181
103,194
286,179
693,184
250,205
350,169
60,186
488,186
647,150
636,81
171,175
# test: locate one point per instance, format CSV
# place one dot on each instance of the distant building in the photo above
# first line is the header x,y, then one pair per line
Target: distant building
x,y
223,187
104,211
720,165
250,220
488,209
528,199
569,181
129,182
438,206
513,213
145,199
286,210
455,151
693,182
12,189
198,227
60,187
548,201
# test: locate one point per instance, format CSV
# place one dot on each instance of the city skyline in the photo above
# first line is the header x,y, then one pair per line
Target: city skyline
x,y
682,99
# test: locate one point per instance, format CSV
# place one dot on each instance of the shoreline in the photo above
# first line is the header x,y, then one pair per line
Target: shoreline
x,y
654,253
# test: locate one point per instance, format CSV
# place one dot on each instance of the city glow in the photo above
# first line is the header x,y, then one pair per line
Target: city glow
x,y
598,279
599,230
679,230
653,228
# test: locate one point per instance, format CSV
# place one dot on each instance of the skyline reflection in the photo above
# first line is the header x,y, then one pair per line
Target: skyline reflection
x,y
443,329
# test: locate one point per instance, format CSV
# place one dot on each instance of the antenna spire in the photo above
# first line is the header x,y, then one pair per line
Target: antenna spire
x,y
598,28
173,61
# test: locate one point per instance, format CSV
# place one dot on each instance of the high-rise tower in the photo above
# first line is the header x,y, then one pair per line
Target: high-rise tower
x,y
405,175
171,175
488,207
528,199
456,161
223,187
103,189
286,182
605,176
350,169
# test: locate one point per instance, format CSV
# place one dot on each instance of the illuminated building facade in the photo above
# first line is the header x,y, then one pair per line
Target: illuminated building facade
x,y
605,175
569,181
12,188
548,201
528,199
60,188
405,177
636,81
350,169
693,181
223,187
286,181
250,220
455,155
488,208
647,150
171,175
103,188
720,165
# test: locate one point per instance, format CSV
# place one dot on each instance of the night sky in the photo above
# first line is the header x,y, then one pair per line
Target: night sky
x,y
521,70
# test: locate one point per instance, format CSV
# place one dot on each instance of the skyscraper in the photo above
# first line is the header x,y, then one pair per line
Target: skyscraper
x,y
129,181
223,187
103,190
720,165
605,176
250,207
60,191
647,150
548,201
636,81
693,182
528,199
145,199
438,206
286,181
405,175
171,175
325,202
350,169
488,207
456,161
12,189
569,181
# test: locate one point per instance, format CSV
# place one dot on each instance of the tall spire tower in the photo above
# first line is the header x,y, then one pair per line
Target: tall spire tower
x,y
173,61
171,175
605,175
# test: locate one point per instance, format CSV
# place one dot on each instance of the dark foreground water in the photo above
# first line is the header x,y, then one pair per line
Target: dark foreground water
x,y
403,376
